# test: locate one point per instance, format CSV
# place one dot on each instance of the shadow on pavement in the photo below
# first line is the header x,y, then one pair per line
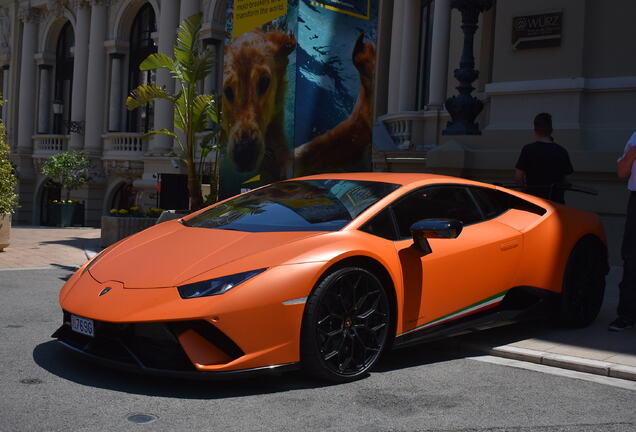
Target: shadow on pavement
x,y
57,360
61,362
75,242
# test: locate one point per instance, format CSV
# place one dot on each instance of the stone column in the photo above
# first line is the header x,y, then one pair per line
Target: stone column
x,y
95,89
188,8
168,23
115,103
44,100
409,55
26,106
6,76
439,53
395,60
209,83
80,71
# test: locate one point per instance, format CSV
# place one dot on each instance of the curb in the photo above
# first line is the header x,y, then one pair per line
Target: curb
x,y
579,364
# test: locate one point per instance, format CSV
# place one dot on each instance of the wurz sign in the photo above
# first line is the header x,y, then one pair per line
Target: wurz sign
x,y
537,31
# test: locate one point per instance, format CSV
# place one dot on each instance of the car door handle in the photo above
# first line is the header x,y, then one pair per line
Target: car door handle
x,y
509,245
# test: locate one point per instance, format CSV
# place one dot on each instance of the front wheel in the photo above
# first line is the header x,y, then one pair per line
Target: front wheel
x,y
583,284
345,325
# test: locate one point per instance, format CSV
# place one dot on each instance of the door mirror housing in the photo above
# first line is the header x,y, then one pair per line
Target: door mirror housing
x,y
434,228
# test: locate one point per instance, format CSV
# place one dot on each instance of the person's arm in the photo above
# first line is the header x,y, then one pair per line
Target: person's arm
x,y
520,177
624,165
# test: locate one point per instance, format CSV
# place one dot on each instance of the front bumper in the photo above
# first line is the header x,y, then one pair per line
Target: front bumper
x,y
155,348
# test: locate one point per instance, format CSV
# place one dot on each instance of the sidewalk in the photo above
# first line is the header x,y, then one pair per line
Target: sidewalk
x,y
45,247
592,349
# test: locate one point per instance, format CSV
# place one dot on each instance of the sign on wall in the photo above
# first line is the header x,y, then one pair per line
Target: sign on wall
x,y
537,31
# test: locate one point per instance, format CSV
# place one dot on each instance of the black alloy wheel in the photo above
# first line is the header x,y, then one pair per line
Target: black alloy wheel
x,y
346,325
583,284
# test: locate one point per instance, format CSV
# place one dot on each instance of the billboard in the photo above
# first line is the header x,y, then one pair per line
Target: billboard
x,y
297,96
334,85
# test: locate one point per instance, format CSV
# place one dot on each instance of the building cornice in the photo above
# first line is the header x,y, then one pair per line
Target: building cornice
x,y
562,85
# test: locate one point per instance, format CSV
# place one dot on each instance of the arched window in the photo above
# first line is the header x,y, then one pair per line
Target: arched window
x,y
141,45
63,80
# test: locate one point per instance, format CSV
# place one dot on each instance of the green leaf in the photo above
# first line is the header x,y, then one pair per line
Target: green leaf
x,y
157,61
8,180
145,94
70,169
185,48
161,132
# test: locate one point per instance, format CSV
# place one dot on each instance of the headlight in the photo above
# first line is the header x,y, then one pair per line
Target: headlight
x,y
216,286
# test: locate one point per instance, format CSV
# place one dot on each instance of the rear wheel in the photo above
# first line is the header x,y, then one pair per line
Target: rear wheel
x,y
583,284
345,326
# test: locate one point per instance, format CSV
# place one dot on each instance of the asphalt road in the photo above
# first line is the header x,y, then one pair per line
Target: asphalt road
x,y
427,388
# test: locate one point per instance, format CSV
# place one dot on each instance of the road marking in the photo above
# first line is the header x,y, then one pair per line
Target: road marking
x,y
599,379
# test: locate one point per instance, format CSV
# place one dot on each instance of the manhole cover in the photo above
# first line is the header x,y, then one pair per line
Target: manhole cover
x,y
141,418
31,381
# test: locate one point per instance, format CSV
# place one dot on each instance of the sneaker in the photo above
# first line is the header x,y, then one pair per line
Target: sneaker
x,y
620,324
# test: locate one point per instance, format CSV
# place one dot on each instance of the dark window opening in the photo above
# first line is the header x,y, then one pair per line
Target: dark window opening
x,y
141,46
424,61
63,81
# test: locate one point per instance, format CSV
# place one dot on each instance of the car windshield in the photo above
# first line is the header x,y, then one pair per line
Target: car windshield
x,y
299,205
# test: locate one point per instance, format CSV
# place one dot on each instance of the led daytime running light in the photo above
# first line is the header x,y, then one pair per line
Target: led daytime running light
x,y
216,286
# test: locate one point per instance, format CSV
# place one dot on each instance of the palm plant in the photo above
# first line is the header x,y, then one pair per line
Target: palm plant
x,y
193,112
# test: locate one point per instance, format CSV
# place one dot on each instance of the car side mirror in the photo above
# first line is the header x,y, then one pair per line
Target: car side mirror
x,y
434,228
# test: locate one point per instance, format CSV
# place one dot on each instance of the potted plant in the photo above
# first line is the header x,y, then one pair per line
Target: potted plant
x,y
70,170
193,111
8,197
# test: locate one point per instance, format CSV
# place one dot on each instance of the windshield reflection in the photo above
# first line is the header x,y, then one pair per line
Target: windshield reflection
x,y
301,205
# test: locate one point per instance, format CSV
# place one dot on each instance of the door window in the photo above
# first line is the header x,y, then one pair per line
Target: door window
x,y
435,202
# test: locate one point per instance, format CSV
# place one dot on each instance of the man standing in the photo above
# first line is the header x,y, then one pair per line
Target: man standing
x,y
626,168
543,164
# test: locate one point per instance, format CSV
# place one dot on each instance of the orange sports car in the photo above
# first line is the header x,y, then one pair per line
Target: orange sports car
x,y
327,272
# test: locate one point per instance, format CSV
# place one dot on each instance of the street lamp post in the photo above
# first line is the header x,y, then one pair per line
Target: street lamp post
x,y
464,108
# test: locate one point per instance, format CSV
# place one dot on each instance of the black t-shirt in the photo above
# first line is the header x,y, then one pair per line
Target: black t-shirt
x,y
545,163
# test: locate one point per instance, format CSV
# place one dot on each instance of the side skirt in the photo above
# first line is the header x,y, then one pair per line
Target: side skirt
x,y
518,304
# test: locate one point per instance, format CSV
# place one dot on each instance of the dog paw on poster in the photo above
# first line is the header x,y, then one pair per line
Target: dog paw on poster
x,y
345,145
254,87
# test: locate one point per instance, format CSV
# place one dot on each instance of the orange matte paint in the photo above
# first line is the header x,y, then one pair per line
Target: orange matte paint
x,y
517,248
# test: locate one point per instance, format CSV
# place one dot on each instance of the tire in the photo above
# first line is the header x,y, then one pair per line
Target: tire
x,y
583,284
345,326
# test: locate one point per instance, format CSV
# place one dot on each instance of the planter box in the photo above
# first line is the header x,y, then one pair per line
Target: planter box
x,y
63,215
116,228
5,230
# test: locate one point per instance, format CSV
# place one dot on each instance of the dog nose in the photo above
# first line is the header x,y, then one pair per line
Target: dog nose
x,y
246,154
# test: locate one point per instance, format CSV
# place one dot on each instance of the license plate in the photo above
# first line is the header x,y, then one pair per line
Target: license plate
x,y
82,325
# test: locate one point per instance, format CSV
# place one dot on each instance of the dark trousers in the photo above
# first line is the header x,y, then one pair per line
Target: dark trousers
x,y
627,287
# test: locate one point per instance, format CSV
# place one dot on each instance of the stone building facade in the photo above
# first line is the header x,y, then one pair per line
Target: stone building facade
x,y
585,76
67,67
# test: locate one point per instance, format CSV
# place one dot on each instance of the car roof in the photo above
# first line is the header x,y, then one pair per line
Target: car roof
x,y
387,177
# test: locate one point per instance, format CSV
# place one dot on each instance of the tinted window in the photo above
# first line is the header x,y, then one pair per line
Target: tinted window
x,y
435,202
491,201
494,202
308,205
381,225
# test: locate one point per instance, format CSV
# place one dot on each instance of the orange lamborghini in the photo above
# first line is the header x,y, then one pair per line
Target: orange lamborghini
x,y
327,272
